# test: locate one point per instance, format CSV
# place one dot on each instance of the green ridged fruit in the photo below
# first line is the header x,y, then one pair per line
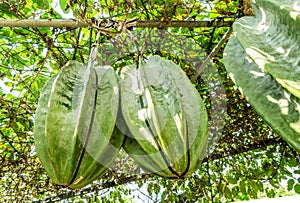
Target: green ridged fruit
x,y
74,124
167,124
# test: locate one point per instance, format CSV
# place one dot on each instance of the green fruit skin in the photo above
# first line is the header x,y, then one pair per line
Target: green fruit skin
x,y
71,155
167,123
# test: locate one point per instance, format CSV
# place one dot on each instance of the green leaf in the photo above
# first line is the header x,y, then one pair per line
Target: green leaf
x,y
290,184
271,193
235,191
243,187
274,183
231,180
292,162
261,57
260,186
42,4
228,193
297,188
63,6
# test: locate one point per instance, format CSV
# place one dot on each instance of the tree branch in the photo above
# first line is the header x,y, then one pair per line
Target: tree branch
x,y
60,23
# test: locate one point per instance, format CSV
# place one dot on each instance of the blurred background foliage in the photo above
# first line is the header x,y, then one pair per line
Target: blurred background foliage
x,y
247,161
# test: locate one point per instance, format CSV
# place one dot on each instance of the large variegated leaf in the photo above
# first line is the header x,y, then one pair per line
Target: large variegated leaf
x,y
74,124
263,59
165,117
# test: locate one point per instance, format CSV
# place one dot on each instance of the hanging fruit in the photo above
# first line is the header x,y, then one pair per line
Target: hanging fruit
x,y
166,119
74,124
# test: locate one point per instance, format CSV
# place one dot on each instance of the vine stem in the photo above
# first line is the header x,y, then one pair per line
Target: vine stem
x,y
212,54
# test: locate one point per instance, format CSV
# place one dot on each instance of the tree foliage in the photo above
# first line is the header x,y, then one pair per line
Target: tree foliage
x,y
248,161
